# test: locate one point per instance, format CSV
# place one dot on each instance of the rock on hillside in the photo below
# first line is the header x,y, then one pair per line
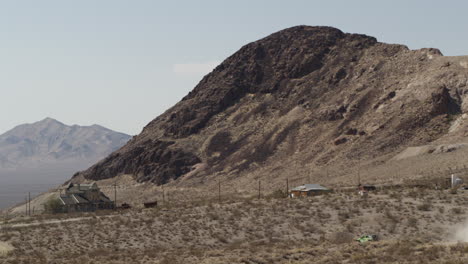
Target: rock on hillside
x,y
49,141
301,97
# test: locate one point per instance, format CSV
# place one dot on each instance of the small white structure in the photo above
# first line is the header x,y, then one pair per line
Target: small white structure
x,y
456,181
308,190
363,193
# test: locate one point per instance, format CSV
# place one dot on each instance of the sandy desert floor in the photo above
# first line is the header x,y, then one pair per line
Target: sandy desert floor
x,y
414,226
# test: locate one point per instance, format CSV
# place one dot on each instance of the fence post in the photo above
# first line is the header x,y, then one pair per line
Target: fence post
x,y
258,189
29,203
115,196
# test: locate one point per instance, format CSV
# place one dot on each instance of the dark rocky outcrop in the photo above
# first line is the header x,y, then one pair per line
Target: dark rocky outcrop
x,y
153,157
294,95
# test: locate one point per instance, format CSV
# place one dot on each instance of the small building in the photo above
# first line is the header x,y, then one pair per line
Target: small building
x,y
84,198
367,187
151,204
308,190
125,206
363,190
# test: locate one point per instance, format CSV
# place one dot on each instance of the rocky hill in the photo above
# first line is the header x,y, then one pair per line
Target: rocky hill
x,y
50,142
296,102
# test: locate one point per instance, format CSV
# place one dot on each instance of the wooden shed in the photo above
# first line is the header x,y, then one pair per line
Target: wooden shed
x,y
150,204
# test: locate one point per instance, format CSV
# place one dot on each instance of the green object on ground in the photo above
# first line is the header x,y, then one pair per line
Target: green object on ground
x,y
366,238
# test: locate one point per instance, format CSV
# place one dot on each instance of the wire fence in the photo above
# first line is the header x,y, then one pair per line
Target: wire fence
x,y
262,187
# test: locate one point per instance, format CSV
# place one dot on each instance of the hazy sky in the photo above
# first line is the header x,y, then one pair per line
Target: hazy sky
x,y
122,63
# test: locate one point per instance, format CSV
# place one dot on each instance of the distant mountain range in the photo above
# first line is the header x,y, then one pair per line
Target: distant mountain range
x,y
39,156
51,142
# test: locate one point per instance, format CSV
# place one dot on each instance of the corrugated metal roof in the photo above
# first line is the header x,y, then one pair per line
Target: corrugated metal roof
x,y
104,198
77,194
79,199
310,187
67,200
81,187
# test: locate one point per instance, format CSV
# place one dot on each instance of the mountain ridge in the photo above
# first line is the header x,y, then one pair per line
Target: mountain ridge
x,y
299,100
50,141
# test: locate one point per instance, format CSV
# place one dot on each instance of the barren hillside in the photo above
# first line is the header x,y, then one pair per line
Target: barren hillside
x,y
300,102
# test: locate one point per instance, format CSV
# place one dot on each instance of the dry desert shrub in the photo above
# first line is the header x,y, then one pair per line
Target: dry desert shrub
x,y
456,211
341,238
426,206
267,229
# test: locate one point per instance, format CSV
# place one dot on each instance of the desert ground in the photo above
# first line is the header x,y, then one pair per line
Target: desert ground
x,y
414,225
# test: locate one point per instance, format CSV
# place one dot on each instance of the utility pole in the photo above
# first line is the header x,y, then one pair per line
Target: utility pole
x,y
164,198
287,187
29,203
219,191
359,173
115,195
296,168
258,189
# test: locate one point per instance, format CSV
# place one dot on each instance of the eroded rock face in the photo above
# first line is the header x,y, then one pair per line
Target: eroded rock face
x,y
152,158
443,103
264,66
296,94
